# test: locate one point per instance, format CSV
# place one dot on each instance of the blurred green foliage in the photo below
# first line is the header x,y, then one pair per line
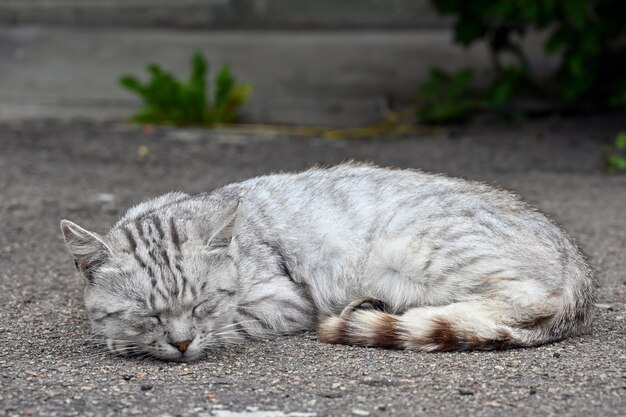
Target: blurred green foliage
x,y
167,100
616,158
450,97
588,36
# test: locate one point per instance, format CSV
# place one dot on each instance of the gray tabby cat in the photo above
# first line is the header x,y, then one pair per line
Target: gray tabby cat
x,y
371,256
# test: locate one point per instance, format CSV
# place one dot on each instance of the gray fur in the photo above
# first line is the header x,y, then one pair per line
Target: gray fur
x,y
456,265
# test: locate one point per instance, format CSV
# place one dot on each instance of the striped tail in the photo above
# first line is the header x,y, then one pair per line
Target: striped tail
x,y
458,326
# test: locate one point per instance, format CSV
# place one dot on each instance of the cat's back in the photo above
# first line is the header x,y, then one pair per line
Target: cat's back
x,y
347,195
355,181
356,204
360,189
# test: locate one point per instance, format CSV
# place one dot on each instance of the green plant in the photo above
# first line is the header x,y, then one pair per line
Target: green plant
x,y
616,158
448,97
589,36
167,100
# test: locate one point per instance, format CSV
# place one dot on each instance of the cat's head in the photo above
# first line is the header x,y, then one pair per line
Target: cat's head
x,y
158,285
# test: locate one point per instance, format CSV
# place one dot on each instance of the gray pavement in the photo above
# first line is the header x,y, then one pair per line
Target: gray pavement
x,y
91,172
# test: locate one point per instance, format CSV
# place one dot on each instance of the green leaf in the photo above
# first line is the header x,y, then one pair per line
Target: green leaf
x,y
447,97
575,64
131,83
199,68
620,141
224,83
618,99
557,39
616,162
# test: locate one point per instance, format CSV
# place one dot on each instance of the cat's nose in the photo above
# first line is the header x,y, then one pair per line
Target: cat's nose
x,y
182,346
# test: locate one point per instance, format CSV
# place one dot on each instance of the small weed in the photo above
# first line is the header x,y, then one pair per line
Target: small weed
x,y
616,158
167,100
448,97
452,98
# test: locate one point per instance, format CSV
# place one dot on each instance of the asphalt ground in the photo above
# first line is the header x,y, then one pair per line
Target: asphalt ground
x,y
91,172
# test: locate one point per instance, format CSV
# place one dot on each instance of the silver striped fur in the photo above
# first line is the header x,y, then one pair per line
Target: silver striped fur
x,y
368,256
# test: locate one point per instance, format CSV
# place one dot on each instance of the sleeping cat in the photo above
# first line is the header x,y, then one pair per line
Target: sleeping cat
x,y
369,256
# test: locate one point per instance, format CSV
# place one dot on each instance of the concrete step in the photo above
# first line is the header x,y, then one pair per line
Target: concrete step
x,y
327,78
226,14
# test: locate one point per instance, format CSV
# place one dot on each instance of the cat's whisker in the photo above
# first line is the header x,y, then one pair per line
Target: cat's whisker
x,y
229,339
232,331
87,339
94,340
226,331
91,342
227,334
239,323
143,355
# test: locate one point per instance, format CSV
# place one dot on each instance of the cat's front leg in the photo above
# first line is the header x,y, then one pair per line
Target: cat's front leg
x,y
277,308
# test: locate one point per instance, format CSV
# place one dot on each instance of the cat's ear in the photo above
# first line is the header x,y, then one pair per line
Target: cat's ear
x,y
87,248
228,225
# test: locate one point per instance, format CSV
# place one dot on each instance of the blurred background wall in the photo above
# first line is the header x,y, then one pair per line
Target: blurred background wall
x,y
227,14
318,62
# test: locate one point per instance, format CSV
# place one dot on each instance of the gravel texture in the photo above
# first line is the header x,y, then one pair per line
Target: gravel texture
x,y
90,173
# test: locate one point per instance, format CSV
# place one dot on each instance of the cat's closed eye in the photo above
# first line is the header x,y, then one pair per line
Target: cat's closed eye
x,y
203,309
102,316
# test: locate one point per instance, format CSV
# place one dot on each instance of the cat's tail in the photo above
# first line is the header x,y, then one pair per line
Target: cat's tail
x,y
457,326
